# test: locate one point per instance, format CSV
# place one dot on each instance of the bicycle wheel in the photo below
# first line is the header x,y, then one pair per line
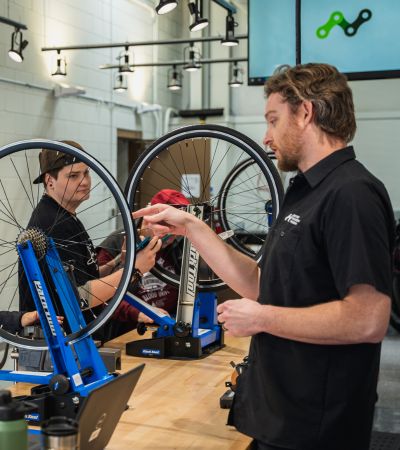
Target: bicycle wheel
x,y
19,197
245,206
196,160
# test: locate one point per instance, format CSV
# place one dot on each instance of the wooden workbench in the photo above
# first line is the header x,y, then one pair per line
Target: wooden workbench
x,y
176,402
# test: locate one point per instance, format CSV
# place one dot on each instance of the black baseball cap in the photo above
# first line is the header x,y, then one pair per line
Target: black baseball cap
x,y
53,159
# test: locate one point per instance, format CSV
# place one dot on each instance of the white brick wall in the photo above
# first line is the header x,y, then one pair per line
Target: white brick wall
x,y
28,108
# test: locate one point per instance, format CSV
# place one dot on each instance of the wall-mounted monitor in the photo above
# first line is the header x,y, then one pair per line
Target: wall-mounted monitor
x,y
360,37
272,37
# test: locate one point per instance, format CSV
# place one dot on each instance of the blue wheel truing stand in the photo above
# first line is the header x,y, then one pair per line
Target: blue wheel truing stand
x,y
78,367
195,333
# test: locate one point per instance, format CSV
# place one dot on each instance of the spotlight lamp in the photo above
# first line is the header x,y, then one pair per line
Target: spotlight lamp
x,y
230,25
165,6
18,44
61,67
174,79
198,22
237,76
120,83
191,57
124,61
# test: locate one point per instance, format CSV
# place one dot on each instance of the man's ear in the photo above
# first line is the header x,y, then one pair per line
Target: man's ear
x,y
48,180
307,110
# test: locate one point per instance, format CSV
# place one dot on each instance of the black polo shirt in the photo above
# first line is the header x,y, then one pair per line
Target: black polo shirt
x,y
335,229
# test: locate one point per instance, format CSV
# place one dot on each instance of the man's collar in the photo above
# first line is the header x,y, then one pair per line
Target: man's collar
x,y
323,168
48,198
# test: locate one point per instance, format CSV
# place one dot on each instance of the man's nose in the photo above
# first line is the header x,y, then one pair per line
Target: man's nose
x,y
267,139
86,179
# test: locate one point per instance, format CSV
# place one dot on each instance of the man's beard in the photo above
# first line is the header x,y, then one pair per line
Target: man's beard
x,y
289,159
288,164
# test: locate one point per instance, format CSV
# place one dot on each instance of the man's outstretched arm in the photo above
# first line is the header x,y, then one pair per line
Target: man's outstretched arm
x,y
237,270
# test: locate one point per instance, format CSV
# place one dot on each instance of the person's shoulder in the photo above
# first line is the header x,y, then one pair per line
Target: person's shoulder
x,y
357,189
48,215
354,178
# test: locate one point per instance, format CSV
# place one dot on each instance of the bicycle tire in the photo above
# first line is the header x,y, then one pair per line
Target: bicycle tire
x,y
185,135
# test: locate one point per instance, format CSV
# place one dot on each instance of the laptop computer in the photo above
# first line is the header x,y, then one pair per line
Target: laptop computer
x,y
101,411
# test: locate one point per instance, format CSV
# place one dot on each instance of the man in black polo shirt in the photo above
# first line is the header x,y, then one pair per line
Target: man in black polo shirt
x,y
318,305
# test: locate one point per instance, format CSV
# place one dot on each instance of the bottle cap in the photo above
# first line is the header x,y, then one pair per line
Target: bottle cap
x,y
60,426
12,409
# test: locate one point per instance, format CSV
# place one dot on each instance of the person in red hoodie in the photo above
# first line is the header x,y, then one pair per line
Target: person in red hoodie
x,y
150,288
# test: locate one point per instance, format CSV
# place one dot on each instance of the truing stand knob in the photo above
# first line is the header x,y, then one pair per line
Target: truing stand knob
x,y
182,329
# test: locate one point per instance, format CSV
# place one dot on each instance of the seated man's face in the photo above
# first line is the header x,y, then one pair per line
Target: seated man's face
x,y
72,186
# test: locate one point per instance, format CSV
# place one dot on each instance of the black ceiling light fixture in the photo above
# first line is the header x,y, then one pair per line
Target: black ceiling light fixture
x,y
120,82
191,57
61,66
198,22
174,79
124,61
18,44
165,6
237,76
230,25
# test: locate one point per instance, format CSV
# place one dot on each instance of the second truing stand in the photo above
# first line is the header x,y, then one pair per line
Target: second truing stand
x,y
195,332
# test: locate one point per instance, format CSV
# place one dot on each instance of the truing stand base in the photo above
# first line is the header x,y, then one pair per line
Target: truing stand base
x,y
173,347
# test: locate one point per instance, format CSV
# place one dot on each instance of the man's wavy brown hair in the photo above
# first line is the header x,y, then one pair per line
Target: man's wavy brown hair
x,y
326,88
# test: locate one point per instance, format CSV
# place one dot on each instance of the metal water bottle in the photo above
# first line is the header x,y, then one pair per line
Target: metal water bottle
x,y
13,428
60,433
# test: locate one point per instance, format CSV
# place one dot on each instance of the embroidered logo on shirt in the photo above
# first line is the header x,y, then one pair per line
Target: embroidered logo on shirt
x,y
294,219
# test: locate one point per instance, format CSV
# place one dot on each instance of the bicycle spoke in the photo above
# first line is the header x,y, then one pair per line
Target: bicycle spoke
x,y
29,177
22,183
9,209
224,191
198,166
185,173
13,296
183,181
9,276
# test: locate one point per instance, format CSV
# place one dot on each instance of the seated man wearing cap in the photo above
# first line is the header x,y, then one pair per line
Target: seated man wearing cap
x,y
67,184
150,288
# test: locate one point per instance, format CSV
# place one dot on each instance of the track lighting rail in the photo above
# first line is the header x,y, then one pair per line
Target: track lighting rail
x,y
138,44
13,23
176,63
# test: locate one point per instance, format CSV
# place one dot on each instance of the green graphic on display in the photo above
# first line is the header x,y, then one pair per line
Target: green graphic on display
x,y
337,18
